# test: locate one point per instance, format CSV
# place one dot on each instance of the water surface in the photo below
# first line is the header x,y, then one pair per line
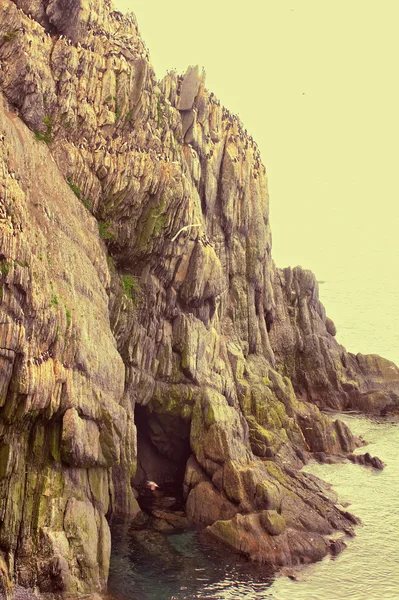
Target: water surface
x,y
369,568
149,565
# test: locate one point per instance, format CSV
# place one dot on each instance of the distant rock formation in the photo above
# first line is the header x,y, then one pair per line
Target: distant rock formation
x,y
367,459
109,321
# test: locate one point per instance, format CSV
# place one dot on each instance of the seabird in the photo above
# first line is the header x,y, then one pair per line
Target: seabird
x,y
152,485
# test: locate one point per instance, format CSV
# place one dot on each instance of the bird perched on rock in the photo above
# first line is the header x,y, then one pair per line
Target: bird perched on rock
x,y
151,485
151,496
148,489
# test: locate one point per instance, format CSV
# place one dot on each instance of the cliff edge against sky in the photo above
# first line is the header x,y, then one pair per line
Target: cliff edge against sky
x,y
143,320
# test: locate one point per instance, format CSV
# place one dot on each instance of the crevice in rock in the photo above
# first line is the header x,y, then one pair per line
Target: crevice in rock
x,y
269,320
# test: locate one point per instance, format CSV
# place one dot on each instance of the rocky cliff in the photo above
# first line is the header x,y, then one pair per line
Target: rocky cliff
x,y
143,320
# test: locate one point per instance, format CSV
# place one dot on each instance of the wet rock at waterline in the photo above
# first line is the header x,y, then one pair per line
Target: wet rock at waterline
x,y
367,459
145,331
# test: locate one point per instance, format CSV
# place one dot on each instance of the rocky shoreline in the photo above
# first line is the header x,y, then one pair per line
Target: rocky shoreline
x,y
145,332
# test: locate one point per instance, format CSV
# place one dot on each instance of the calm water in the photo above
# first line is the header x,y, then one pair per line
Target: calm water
x,y
180,566
187,566
369,568
364,304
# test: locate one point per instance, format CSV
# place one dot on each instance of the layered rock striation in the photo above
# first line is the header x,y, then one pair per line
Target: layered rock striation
x,y
137,288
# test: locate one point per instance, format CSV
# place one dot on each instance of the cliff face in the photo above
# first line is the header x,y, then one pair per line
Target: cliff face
x,y
137,288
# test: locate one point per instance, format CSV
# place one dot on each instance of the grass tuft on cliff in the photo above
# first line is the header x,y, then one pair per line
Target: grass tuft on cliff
x,y
47,136
104,230
9,36
132,288
78,192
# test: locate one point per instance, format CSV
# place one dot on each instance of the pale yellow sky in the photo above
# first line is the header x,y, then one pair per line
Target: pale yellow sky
x,y
315,82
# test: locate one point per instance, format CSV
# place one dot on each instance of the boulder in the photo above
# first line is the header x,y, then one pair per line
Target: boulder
x,y
246,534
272,522
206,505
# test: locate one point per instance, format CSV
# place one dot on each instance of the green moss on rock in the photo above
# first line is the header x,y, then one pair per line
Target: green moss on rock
x,y
272,522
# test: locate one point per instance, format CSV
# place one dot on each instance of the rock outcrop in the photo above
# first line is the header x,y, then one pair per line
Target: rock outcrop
x,y
137,287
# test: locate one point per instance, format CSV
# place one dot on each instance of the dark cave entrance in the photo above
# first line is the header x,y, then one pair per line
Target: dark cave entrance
x,y
163,449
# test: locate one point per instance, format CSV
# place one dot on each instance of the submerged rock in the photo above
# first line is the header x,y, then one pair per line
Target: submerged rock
x,y
176,519
145,331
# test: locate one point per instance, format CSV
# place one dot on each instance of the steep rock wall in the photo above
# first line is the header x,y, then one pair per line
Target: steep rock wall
x,y
62,379
181,312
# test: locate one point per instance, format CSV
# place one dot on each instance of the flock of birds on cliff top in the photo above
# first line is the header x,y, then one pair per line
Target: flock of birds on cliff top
x,y
128,19
111,145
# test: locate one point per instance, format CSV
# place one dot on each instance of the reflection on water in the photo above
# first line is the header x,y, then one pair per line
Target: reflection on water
x,y
148,565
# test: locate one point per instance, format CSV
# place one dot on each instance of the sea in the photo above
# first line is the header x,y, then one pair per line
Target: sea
x,y
183,566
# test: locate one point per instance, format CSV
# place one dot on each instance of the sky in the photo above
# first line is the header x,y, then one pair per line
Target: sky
x,y
315,83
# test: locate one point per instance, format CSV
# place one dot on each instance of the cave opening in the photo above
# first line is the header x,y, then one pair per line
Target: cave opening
x,y
163,449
